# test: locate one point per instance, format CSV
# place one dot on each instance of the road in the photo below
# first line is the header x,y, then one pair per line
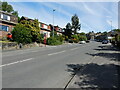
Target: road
x,y
43,67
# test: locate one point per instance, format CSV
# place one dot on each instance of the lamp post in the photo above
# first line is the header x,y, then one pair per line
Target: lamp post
x,y
53,21
111,25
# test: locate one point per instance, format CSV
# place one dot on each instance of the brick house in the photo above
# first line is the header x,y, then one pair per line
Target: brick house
x,y
45,29
7,23
59,30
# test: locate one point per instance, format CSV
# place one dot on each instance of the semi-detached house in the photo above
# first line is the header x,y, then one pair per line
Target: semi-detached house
x,y
7,23
44,28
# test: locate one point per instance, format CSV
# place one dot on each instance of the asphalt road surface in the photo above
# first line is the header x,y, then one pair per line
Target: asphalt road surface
x,y
43,67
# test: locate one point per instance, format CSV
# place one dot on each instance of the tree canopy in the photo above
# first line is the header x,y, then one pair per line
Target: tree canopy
x,y
33,31
4,6
68,30
75,24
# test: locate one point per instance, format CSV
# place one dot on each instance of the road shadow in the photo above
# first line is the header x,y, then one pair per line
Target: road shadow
x,y
111,56
107,48
94,76
112,52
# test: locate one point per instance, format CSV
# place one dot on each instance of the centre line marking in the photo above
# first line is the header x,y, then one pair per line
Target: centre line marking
x,y
74,48
16,62
56,53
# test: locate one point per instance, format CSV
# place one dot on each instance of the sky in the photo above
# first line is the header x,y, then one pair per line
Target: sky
x,y
93,16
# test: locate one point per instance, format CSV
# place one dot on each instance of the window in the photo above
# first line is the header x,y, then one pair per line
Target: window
x,y
5,17
4,28
1,15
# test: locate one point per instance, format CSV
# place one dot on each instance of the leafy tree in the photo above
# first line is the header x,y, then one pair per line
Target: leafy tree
x,y
75,23
4,6
9,8
21,34
82,33
0,5
15,13
55,34
33,26
68,30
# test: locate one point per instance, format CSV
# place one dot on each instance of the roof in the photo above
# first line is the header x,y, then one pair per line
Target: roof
x,y
7,13
26,18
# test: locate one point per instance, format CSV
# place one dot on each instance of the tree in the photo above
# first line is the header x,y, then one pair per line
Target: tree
x,y
55,34
15,13
21,34
75,24
33,26
68,30
4,6
82,33
9,8
0,5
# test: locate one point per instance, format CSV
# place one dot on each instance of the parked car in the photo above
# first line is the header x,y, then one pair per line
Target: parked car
x,y
104,41
82,42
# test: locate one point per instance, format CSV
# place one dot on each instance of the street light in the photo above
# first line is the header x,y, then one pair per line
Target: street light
x,y
53,21
111,25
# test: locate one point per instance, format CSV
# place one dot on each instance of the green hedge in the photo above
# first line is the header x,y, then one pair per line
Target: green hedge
x,y
53,41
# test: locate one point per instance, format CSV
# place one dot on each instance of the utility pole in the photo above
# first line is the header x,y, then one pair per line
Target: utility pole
x,y
53,21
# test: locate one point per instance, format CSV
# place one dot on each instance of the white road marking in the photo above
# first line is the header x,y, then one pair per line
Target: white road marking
x,y
16,62
74,48
56,53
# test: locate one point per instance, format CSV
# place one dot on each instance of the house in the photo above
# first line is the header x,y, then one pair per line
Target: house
x,y
44,28
7,23
25,18
59,30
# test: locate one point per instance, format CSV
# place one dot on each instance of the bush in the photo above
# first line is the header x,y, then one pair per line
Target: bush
x,y
53,41
4,38
82,38
60,38
21,34
75,38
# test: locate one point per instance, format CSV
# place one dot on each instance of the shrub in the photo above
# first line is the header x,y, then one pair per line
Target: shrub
x,y
53,41
4,38
82,38
60,38
75,38
21,34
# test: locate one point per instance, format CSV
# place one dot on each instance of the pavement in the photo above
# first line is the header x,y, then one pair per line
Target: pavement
x,y
51,67
102,72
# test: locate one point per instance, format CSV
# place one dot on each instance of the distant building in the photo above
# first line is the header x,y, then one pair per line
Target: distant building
x,y
7,23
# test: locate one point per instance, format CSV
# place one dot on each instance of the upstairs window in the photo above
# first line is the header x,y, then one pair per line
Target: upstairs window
x,y
4,28
5,17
